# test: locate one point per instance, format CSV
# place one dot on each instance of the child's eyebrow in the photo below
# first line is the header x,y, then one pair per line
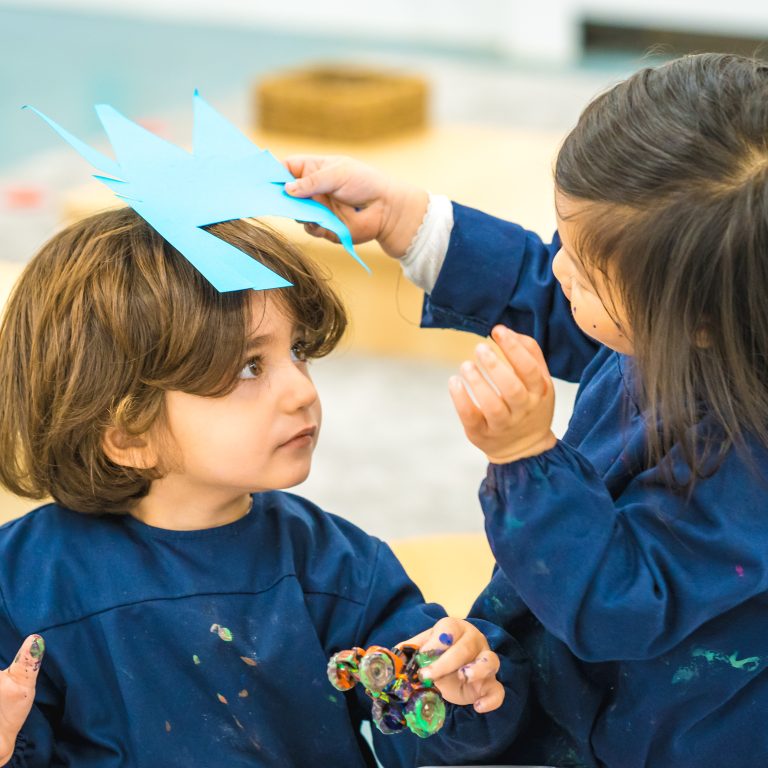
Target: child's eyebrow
x,y
254,342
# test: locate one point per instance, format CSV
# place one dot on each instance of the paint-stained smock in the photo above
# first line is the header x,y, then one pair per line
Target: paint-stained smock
x,y
644,612
209,647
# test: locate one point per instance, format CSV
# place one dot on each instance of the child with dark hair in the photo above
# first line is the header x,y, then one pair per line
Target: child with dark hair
x,y
189,608
632,553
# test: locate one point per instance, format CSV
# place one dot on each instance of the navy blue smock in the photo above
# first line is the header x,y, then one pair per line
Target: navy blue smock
x,y
140,669
644,612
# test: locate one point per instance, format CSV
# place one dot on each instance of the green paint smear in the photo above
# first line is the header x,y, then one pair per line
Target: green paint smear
x,y
496,603
37,649
750,664
426,720
196,659
222,632
686,674
425,658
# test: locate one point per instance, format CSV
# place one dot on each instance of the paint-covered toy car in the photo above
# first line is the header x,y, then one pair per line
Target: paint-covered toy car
x,y
391,679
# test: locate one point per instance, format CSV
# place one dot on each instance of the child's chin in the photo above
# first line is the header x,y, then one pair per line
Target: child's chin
x,y
297,479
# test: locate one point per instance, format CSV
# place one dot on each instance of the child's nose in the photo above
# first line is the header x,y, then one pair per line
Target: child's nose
x,y
298,388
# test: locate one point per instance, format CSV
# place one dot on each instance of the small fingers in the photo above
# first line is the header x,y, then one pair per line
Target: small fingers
x,y
471,416
451,646
417,640
317,176
301,165
480,676
491,697
317,231
489,401
483,667
504,380
524,355
438,638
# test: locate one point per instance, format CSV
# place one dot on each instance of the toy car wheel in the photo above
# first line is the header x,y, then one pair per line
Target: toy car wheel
x,y
341,671
377,670
388,718
425,713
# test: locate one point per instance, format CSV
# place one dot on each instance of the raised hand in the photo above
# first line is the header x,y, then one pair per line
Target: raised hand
x,y
17,693
372,205
464,670
508,414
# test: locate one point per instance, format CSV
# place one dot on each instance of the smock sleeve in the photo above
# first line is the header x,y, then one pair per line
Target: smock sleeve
x,y
497,272
628,577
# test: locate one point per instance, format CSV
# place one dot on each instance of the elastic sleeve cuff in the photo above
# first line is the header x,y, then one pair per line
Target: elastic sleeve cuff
x,y
539,470
479,273
424,258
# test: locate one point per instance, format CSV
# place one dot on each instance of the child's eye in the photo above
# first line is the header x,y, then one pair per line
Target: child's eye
x,y
252,369
299,352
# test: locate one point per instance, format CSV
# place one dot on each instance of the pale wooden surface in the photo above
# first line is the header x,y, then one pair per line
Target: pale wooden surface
x,y
450,569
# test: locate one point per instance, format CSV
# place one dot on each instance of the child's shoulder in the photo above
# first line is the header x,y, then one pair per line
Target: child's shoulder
x,y
42,525
46,521
300,516
325,547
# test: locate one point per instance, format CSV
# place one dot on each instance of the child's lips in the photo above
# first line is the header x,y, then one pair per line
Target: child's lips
x,y
302,438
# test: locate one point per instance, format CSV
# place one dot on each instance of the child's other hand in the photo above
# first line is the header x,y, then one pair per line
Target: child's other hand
x,y
373,206
17,693
464,670
512,416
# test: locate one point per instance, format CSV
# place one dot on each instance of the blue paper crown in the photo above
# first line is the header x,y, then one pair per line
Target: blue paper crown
x,y
226,177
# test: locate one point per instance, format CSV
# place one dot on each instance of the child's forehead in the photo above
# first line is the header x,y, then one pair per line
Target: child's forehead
x,y
269,316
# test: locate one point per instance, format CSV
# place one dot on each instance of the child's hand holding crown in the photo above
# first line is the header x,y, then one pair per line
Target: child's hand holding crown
x,y
372,205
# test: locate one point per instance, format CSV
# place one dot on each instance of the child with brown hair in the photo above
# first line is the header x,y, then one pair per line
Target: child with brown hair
x,y
189,607
632,553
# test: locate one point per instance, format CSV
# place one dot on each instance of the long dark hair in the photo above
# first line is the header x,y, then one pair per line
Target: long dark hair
x,y
673,165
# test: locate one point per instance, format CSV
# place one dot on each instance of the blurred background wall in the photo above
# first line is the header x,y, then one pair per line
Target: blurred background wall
x,y
506,80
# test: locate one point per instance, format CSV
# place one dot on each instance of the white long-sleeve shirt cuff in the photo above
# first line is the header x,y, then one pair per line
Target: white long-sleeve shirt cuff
x,y
424,258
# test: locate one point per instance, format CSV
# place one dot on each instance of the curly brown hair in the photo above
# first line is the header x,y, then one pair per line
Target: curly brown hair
x,y
103,321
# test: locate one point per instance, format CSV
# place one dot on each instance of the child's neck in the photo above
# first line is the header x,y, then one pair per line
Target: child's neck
x,y
178,507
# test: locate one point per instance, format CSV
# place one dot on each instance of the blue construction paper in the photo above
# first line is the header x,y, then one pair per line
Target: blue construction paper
x,y
225,177
96,159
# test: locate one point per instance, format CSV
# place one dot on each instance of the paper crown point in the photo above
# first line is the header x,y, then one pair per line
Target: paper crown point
x,y
225,177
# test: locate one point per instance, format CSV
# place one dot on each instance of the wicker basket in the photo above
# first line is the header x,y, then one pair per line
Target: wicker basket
x,y
341,103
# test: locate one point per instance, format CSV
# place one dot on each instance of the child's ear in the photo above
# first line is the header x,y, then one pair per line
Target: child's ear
x,y
129,450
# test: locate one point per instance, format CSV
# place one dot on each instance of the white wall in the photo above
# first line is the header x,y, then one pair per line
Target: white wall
x,y
541,30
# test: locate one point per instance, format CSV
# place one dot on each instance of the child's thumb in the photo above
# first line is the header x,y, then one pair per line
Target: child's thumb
x,y
25,666
324,181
